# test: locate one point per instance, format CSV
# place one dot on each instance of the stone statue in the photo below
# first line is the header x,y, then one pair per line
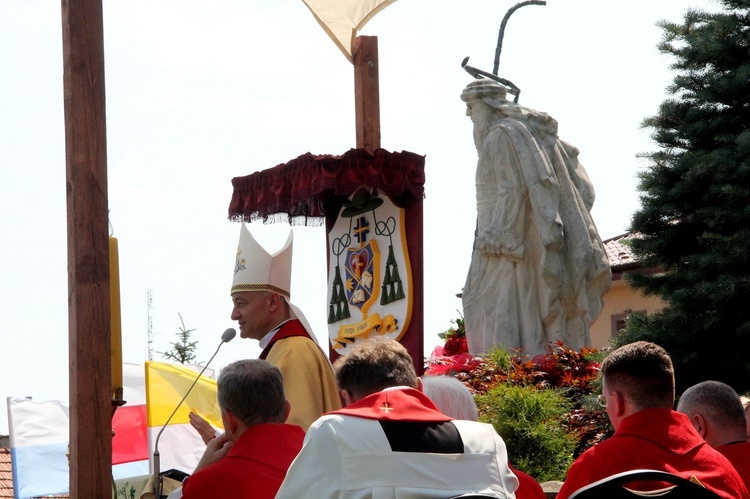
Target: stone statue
x,y
538,270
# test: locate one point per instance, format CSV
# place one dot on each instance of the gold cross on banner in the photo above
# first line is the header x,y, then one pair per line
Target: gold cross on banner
x,y
386,407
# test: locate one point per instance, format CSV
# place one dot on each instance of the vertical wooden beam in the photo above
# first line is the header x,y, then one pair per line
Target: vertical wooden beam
x,y
367,92
413,339
88,250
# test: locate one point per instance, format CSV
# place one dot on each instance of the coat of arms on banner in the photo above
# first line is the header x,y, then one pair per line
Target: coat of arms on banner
x,y
369,276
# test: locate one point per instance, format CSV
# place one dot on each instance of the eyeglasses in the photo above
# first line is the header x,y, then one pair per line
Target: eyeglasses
x,y
601,400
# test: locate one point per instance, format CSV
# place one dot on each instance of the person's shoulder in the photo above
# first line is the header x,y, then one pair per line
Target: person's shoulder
x,y
207,479
332,427
479,437
739,449
503,126
298,344
503,131
528,486
606,450
337,421
723,455
472,425
275,430
295,340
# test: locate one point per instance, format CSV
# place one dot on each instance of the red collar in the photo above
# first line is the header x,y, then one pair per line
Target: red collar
x,y
287,330
395,404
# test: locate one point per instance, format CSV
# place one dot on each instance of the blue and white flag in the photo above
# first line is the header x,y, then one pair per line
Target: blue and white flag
x,y
38,446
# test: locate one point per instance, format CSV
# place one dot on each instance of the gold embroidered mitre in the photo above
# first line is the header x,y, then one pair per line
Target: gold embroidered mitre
x,y
255,269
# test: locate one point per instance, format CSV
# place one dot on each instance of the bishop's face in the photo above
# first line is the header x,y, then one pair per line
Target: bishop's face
x,y
250,310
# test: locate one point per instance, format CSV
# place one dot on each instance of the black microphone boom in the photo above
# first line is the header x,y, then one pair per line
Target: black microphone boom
x,y
226,337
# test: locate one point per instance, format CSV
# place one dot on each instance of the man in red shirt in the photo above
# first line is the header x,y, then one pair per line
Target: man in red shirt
x,y
717,414
253,455
638,390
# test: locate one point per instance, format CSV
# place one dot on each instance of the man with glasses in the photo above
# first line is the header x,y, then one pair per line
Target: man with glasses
x,y
638,393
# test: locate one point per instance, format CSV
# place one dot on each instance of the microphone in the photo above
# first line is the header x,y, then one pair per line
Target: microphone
x,y
226,337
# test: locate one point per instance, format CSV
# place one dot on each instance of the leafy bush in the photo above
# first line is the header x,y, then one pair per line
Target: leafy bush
x,y
528,419
564,372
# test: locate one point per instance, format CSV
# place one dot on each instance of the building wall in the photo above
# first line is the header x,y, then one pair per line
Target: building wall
x,y
619,301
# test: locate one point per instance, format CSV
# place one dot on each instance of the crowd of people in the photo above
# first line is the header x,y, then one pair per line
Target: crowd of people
x,y
368,426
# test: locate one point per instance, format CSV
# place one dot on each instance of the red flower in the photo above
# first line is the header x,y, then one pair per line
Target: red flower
x,y
455,346
452,364
438,351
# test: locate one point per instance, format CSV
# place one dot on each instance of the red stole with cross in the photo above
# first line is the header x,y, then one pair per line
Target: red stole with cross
x,y
395,404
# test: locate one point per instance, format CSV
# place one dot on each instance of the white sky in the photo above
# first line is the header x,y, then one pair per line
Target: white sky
x,y
199,92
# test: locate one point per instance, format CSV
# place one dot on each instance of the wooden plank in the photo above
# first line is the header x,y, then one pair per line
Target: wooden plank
x,y
367,92
88,250
413,339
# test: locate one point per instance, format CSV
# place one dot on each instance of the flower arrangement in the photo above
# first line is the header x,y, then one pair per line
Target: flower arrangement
x,y
562,367
455,338
453,357
574,374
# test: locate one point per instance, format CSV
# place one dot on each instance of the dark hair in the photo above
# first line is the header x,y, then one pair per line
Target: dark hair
x,y
374,365
253,390
643,372
716,401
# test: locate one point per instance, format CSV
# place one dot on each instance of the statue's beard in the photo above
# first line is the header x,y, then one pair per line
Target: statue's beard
x,y
480,133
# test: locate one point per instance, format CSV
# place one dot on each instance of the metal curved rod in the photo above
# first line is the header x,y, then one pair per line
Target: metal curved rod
x,y
479,74
501,34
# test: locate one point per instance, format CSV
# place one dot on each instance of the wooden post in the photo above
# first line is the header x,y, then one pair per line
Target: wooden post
x,y
88,250
413,339
367,92
367,112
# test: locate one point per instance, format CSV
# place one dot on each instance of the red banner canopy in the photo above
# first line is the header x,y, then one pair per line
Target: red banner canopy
x,y
307,188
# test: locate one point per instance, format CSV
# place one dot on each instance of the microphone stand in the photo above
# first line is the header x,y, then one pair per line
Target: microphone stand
x,y
225,337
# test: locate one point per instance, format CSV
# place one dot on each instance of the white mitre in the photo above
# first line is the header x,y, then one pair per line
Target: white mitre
x,y
255,269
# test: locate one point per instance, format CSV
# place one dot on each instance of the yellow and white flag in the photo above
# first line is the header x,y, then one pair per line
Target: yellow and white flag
x,y
180,445
341,19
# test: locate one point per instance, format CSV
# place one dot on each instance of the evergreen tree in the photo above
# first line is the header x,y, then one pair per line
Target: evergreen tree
x,y
183,351
694,222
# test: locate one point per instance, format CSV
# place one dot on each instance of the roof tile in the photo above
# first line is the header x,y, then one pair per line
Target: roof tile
x,y
6,475
619,252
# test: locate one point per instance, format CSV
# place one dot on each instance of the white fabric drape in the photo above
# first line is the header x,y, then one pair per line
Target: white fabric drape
x,y
341,19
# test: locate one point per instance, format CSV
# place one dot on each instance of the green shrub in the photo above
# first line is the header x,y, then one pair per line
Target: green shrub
x,y
528,419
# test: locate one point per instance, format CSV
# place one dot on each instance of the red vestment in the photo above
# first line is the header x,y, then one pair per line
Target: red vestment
x,y
656,439
309,384
528,488
739,455
289,329
254,467
402,404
